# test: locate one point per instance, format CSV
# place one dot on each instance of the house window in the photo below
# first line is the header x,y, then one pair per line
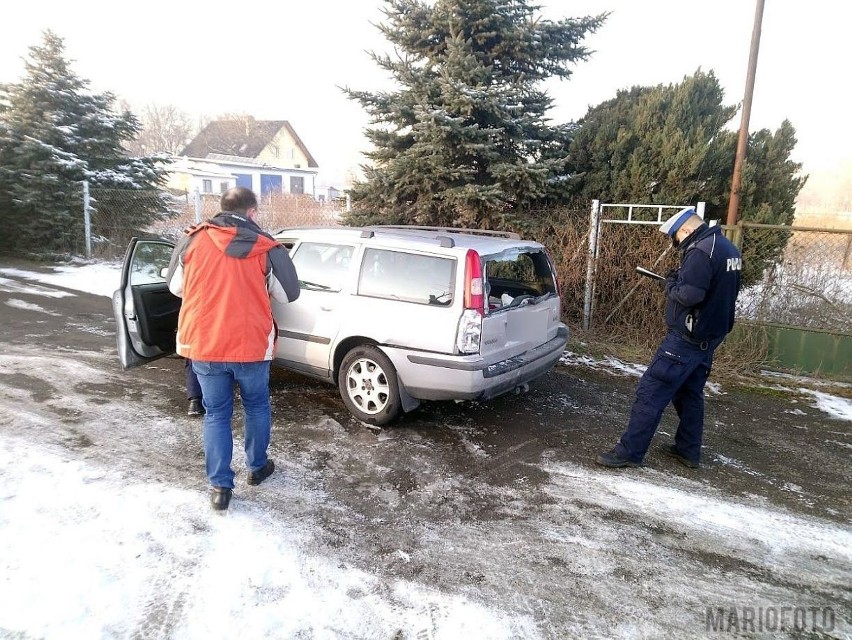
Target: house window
x,y
207,186
270,183
297,185
223,187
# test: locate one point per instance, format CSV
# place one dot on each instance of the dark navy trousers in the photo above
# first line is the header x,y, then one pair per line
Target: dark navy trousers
x,y
677,374
193,389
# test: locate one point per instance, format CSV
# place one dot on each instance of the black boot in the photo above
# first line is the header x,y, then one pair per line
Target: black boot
x,y
256,477
195,407
674,453
220,498
613,460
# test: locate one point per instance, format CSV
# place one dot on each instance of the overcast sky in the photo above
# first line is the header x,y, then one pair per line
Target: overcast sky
x,y
286,60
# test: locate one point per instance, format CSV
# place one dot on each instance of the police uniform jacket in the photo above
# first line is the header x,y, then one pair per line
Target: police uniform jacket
x,y
701,295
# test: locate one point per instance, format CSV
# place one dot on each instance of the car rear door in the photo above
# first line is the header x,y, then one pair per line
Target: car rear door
x,y
146,312
308,326
523,306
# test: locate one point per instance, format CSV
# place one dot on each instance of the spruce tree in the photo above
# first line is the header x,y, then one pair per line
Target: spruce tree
x,y
55,133
465,139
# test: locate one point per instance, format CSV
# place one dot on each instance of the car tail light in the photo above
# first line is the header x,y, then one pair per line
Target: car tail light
x,y
473,285
470,324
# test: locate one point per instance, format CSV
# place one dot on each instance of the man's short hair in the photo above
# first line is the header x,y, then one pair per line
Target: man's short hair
x,y
238,200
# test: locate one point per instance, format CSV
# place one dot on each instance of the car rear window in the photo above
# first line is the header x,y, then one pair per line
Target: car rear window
x,y
514,274
409,277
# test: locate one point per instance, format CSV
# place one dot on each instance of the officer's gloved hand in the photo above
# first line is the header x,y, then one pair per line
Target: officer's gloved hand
x,y
671,279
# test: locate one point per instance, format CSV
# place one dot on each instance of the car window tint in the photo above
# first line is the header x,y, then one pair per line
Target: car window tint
x,y
407,276
149,260
321,266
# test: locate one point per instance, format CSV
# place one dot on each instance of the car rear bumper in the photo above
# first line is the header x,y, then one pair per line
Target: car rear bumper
x,y
430,376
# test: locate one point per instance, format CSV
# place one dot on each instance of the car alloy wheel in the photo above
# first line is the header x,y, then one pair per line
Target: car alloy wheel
x,y
368,385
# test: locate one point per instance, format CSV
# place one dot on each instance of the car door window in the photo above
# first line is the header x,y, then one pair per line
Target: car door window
x,y
148,264
409,277
322,266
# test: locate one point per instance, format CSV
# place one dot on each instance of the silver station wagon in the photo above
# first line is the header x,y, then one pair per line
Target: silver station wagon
x,y
391,315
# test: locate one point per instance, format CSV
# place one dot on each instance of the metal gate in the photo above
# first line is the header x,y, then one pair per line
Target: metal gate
x,y
630,214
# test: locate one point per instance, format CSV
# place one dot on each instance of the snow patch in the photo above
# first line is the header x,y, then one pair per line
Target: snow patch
x,y
28,306
99,278
834,406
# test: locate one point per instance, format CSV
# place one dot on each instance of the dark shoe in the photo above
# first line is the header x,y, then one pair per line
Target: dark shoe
x,y
613,460
674,453
195,407
220,498
256,477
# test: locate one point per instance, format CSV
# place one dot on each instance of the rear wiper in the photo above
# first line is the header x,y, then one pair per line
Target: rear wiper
x,y
313,285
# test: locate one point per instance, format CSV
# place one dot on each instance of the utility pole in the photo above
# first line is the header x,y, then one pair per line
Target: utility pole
x,y
742,141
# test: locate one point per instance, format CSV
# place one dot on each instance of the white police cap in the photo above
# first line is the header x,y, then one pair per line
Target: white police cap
x,y
674,223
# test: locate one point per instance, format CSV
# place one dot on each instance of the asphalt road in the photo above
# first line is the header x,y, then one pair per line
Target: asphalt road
x,y
498,501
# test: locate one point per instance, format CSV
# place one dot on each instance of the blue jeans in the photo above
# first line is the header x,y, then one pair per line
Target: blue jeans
x,y
676,374
217,386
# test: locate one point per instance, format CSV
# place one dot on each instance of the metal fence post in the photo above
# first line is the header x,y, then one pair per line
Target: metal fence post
x,y
594,224
87,219
197,195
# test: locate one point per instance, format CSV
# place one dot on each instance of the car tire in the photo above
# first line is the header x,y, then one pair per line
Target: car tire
x,y
368,385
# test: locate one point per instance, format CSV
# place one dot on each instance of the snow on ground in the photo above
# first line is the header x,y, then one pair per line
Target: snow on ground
x,y
27,306
840,408
87,555
608,364
98,278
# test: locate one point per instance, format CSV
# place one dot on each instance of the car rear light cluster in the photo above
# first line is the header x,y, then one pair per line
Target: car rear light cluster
x,y
470,325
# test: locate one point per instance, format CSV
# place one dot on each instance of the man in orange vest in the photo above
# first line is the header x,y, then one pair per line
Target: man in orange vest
x,y
226,270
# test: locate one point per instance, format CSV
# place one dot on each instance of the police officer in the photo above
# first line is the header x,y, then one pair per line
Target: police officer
x,y
700,301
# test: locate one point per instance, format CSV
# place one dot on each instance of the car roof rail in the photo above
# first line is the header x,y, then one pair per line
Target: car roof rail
x,y
480,232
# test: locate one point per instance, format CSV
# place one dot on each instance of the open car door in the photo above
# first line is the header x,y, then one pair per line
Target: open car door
x,y
146,312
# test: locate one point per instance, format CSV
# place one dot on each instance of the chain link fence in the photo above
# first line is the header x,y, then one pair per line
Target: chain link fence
x,y
117,215
797,276
793,276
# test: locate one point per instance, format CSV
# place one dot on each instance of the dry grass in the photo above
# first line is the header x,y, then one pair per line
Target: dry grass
x,y
628,309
